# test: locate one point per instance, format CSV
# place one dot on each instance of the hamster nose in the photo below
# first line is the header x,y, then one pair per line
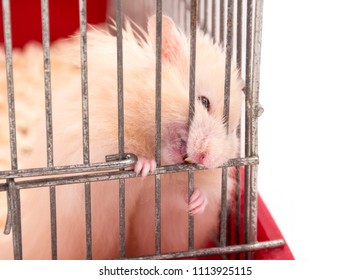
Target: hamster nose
x,y
198,158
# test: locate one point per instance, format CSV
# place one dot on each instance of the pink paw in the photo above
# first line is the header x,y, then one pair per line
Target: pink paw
x,y
198,202
143,166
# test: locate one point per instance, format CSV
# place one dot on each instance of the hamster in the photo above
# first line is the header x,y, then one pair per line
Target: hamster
x,y
205,142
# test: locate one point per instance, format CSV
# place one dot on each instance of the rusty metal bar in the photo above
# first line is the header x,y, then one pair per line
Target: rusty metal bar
x,y
49,128
158,87
221,21
113,162
239,32
192,66
10,83
217,251
45,172
228,72
253,54
13,220
213,20
15,208
85,119
205,21
120,89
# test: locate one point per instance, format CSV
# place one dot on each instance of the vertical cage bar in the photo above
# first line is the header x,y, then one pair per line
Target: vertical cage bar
x,y
213,23
256,107
10,85
248,122
53,223
223,213
237,198
239,26
15,208
228,63
205,23
221,23
119,24
239,21
120,124
254,29
7,228
186,27
88,229
199,9
228,71
84,79
193,20
158,88
49,128
192,61
85,118
47,79
179,6
190,216
256,71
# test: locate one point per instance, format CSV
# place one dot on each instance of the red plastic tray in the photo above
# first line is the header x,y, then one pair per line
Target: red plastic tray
x,y
267,230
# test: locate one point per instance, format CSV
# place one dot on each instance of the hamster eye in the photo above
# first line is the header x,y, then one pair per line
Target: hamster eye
x,y
205,102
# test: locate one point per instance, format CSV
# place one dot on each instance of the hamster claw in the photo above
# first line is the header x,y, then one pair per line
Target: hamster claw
x,y
143,166
197,203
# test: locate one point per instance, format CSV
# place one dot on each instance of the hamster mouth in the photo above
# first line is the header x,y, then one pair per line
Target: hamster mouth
x,y
176,144
180,150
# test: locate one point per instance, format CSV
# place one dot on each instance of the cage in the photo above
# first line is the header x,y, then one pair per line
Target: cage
x,y
246,229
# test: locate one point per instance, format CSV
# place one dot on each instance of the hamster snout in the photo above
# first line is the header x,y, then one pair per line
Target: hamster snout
x,y
208,142
205,143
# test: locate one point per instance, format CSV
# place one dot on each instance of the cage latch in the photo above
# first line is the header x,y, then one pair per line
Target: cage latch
x,y
126,160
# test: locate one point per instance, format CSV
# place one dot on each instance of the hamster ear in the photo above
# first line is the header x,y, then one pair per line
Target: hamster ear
x,y
172,46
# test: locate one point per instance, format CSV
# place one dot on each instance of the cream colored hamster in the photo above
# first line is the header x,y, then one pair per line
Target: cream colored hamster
x,y
205,142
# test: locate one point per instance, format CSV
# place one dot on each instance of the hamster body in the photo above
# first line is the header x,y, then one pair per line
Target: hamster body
x,y
205,141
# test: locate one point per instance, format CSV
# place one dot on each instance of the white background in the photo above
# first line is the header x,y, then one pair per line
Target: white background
x,y
305,131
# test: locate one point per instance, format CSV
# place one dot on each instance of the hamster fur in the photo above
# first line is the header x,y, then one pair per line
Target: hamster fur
x,y
205,142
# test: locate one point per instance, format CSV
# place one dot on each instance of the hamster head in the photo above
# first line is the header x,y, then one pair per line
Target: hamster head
x,y
206,139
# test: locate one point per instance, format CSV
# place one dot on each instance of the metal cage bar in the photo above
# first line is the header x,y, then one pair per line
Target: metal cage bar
x,y
112,174
158,88
253,51
217,250
14,208
192,72
237,197
10,86
85,120
221,22
122,222
48,113
213,20
228,71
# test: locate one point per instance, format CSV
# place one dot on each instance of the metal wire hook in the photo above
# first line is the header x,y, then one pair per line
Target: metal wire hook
x,y
8,223
126,160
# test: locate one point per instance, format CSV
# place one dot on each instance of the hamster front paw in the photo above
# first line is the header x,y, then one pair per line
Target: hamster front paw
x,y
143,166
198,202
